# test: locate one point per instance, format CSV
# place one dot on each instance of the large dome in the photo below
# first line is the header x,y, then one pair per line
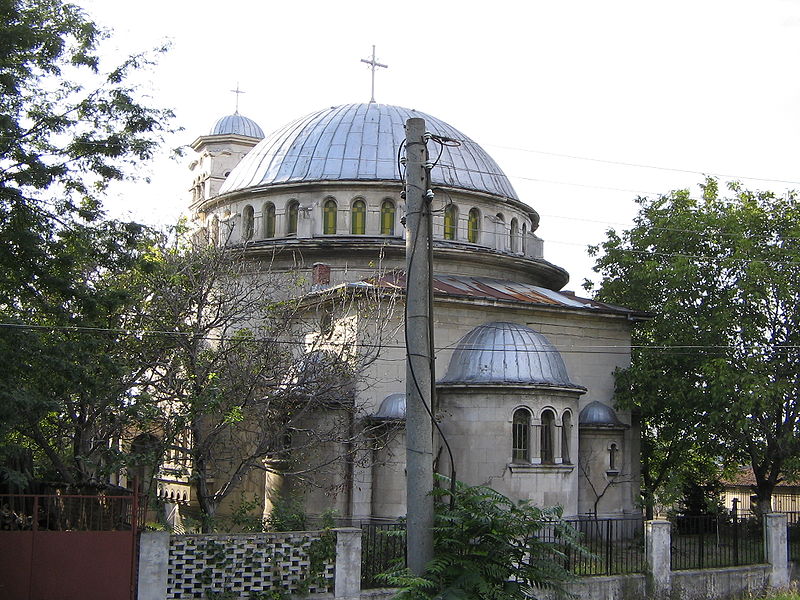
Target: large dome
x,y
359,142
506,353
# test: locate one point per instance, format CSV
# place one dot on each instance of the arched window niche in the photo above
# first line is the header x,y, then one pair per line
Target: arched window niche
x,y
500,232
358,217
521,436
248,223
546,437
514,236
450,222
473,226
613,458
524,238
291,217
268,218
566,434
387,217
329,215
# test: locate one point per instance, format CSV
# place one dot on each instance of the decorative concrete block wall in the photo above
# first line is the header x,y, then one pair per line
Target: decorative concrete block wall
x,y
245,565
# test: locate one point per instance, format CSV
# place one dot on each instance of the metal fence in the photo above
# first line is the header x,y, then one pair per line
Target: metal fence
x,y
62,512
793,535
611,546
383,545
709,541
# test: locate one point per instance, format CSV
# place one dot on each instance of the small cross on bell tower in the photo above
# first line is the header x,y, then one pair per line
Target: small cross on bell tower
x,y
373,65
237,91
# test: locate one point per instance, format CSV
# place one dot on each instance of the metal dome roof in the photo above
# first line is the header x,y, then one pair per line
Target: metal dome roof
x,y
597,414
359,142
506,353
238,125
392,407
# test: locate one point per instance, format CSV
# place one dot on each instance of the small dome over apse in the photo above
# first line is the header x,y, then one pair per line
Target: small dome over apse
x,y
597,414
237,124
393,407
507,353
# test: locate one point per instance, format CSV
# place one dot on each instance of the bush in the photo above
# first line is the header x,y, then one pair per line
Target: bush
x,y
486,546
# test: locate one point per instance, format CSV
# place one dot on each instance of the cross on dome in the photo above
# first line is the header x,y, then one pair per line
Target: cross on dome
x,y
373,64
237,91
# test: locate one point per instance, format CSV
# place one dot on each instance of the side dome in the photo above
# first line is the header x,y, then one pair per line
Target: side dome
x,y
359,142
238,125
597,414
507,353
392,408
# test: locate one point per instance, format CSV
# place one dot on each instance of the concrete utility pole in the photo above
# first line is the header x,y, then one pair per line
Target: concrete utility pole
x,y
419,440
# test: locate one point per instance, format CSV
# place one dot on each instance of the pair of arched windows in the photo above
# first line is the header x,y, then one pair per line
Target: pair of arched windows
x,y
269,219
451,224
522,446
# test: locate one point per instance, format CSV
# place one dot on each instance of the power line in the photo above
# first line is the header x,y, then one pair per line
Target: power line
x,y
561,349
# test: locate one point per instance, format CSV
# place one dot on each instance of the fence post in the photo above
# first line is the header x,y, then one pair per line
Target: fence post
x,y
776,549
153,564
347,579
658,538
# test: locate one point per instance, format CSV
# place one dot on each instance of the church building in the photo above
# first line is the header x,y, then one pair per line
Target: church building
x,y
524,370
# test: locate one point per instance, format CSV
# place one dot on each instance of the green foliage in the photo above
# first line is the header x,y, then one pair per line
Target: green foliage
x,y
715,372
487,546
66,131
288,514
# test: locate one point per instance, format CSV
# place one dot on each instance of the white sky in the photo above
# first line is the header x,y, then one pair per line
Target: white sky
x,y
709,86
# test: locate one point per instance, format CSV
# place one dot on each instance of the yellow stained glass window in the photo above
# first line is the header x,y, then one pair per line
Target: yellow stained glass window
x,y
358,218
387,218
450,221
329,216
473,226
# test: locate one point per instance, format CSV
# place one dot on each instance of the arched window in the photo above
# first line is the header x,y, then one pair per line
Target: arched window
x,y
514,236
473,225
268,215
450,222
520,434
329,214
358,218
387,217
500,232
291,217
546,432
215,230
524,238
613,457
566,433
248,223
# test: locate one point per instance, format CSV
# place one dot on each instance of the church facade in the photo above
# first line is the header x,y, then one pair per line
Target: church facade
x,y
524,370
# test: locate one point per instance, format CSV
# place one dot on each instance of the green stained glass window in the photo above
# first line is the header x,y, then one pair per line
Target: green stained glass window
x,y
387,218
329,216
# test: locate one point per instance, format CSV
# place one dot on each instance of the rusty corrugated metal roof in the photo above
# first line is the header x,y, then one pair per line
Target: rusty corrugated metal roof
x,y
501,289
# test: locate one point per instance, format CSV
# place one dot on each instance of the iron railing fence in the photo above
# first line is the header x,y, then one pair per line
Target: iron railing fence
x,y
709,541
383,545
609,546
793,535
65,512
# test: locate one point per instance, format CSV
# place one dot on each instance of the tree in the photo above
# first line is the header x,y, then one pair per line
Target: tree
x,y
66,131
715,372
260,374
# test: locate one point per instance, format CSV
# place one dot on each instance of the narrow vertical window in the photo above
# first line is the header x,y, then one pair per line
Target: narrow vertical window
x,y
514,235
387,217
520,443
268,214
291,217
329,213
450,222
524,239
358,218
248,223
215,230
473,226
546,432
566,433
613,451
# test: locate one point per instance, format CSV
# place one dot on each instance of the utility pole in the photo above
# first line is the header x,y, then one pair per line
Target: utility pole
x,y
419,440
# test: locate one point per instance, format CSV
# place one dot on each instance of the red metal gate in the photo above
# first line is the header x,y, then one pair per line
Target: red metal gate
x,y
68,547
